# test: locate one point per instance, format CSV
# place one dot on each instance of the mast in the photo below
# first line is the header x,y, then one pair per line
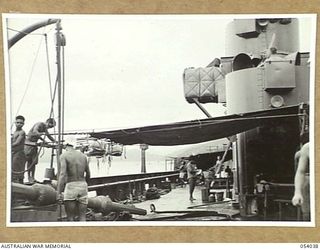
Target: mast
x,y
60,41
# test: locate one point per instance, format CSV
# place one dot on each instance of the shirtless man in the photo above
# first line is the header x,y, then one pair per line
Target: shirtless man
x,y
301,182
74,172
218,167
182,173
17,151
31,149
192,176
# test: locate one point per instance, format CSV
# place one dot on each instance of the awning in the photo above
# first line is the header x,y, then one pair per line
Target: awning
x,y
195,131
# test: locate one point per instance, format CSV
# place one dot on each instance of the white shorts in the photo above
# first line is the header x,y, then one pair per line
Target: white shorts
x,y
76,191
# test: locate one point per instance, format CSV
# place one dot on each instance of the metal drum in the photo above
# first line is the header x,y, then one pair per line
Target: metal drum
x,y
49,173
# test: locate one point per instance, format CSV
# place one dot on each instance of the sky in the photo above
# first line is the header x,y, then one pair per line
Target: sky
x,y
120,70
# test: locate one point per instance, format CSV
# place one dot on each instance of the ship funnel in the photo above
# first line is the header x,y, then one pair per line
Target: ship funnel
x,y
241,61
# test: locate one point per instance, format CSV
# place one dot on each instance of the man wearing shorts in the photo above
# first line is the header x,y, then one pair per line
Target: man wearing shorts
x,y
73,177
192,176
31,148
17,151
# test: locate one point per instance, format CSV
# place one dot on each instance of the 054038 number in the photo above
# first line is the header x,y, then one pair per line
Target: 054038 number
x,y
313,245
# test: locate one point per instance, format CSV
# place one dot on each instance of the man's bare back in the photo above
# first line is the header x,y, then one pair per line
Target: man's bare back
x,y
74,166
38,129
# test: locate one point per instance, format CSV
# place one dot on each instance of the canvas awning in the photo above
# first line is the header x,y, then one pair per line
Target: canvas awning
x,y
196,131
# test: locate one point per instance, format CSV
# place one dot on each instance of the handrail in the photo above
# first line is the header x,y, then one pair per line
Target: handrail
x,y
93,187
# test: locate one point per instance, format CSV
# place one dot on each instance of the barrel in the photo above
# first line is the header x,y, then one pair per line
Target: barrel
x,y
212,198
49,173
219,196
205,194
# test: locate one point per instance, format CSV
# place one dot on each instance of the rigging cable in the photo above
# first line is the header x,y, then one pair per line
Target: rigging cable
x,y
63,91
48,64
54,95
29,79
26,33
25,92
50,82
51,95
33,64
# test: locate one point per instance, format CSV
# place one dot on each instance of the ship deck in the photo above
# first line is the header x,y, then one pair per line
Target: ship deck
x,y
176,205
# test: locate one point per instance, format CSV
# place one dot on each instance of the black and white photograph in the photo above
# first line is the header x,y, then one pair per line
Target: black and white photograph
x,y
160,120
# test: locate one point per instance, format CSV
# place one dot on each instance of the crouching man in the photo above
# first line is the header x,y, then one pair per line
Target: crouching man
x,y
73,177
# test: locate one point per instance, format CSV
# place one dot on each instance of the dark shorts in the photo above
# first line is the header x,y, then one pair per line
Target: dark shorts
x,y
192,181
18,164
31,154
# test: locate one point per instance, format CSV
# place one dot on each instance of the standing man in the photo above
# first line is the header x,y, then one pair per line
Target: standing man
x,y
18,158
31,149
192,176
73,177
301,183
218,167
182,173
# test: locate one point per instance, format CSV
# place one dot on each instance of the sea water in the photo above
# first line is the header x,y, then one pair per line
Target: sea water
x,y
100,167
